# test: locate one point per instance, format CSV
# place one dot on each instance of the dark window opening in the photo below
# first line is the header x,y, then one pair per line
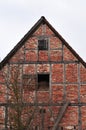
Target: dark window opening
x,y
43,81
43,44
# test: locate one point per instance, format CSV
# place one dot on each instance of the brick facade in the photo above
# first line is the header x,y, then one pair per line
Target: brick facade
x,y
67,79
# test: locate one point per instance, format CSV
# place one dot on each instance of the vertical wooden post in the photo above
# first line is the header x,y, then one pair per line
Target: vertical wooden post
x,y
42,111
79,107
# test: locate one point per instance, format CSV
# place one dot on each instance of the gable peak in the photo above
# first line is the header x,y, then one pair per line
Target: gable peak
x,y
42,17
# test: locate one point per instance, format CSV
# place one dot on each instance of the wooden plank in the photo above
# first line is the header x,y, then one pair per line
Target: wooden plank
x,y
60,115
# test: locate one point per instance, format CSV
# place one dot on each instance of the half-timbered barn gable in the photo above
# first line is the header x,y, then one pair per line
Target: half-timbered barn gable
x,y
51,77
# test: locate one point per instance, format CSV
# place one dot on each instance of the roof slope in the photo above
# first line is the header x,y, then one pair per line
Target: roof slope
x,y
29,33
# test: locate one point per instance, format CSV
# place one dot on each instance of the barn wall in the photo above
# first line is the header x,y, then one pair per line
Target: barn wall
x,y
67,81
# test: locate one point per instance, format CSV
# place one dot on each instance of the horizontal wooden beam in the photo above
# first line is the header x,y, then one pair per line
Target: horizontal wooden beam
x,y
44,104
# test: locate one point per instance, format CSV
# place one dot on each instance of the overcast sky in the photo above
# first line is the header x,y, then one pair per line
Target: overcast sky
x,y
68,17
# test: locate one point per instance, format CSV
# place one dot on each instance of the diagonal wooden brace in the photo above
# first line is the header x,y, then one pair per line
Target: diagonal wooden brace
x,y
60,115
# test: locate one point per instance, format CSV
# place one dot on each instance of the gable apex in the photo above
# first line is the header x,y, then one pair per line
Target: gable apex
x,y
42,20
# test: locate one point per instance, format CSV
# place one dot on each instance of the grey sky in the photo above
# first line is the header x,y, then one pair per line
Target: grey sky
x,y
68,17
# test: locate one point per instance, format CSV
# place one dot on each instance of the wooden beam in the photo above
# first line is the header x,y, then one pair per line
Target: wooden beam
x,y
60,114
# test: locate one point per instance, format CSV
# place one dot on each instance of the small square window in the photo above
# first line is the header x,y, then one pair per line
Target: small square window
x,y
43,81
43,44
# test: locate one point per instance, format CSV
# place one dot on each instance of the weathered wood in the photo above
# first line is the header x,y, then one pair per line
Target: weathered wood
x,y
42,111
43,104
60,115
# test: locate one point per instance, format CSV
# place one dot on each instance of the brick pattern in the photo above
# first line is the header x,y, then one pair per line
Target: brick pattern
x,y
57,73
71,117
31,43
83,112
64,80
55,43
82,73
68,56
2,117
19,56
71,73
72,93
57,93
56,55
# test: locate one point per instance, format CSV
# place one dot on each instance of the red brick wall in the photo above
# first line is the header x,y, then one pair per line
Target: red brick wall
x,y
67,80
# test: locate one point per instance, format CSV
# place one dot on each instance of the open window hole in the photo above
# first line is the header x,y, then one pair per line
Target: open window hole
x,y
43,81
